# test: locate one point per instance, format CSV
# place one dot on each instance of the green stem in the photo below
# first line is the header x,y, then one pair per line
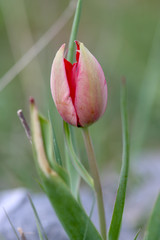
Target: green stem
x,y
70,56
74,31
97,183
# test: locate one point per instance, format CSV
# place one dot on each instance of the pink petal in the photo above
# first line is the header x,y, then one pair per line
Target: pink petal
x,y
91,88
60,89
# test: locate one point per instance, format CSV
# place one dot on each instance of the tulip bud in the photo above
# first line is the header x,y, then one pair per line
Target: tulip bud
x,y
79,90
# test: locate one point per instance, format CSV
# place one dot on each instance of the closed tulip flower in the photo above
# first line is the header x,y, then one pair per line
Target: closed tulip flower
x,y
79,90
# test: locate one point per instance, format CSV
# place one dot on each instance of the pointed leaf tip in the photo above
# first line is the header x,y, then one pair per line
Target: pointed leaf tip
x,y
38,142
32,100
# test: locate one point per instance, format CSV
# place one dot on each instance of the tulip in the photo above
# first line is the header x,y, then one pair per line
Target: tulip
x,y
79,90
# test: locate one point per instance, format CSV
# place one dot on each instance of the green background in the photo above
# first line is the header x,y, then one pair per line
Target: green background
x,y
123,35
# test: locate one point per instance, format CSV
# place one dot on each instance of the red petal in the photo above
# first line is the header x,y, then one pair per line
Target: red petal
x,y
70,78
68,68
77,51
71,71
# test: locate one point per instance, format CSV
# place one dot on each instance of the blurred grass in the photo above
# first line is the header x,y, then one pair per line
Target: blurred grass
x,y
118,33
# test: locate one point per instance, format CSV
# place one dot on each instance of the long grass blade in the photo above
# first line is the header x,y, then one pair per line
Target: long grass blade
x,y
40,228
38,46
13,228
90,215
120,199
153,229
137,234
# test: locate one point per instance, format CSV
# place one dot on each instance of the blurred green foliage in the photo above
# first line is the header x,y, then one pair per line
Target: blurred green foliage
x,y
119,33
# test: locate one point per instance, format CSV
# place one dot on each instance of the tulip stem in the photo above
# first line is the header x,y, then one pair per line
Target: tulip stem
x,y
74,32
97,183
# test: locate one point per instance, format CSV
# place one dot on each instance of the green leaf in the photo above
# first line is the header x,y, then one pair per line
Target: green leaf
x,y
73,175
120,198
40,228
55,144
153,229
75,160
71,214
47,137
69,211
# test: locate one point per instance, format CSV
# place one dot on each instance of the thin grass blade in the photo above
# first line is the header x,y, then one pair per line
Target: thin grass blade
x,y
90,215
13,228
120,198
40,228
137,234
153,229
